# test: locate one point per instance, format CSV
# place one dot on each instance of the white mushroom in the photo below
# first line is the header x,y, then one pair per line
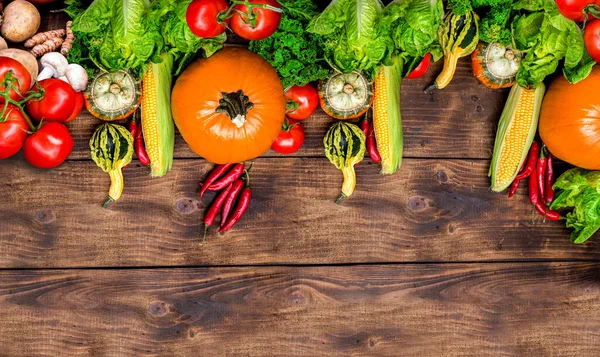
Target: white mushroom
x,y
77,77
54,65
64,79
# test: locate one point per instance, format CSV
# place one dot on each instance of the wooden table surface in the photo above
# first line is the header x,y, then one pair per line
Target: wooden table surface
x,y
426,262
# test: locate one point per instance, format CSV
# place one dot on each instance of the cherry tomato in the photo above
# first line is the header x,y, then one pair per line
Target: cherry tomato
x,y
261,23
421,69
307,98
79,101
49,146
58,103
19,73
13,132
202,17
290,139
575,9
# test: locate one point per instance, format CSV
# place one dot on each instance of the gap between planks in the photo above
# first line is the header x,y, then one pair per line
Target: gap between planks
x,y
308,265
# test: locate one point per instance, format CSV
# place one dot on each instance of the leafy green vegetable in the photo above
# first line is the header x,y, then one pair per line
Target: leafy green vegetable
x,y
413,25
546,37
351,38
130,34
579,190
295,54
494,25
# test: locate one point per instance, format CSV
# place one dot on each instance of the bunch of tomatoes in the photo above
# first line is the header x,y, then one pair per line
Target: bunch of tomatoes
x,y
33,114
250,19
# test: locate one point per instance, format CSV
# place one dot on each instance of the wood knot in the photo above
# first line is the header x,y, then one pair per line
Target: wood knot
x,y
185,206
441,176
297,298
158,308
474,98
479,109
192,333
44,216
417,204
372,342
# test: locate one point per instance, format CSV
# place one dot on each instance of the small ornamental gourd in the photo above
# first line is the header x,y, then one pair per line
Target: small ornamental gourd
x,y
345,95
495,65
113,95
458,36
345,147
112,149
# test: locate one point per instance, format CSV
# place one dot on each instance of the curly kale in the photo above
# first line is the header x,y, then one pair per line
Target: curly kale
x,y
494,24
460,7
294,53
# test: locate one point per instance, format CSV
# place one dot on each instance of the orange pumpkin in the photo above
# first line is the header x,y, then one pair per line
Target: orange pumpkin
x,y
229,107
570,121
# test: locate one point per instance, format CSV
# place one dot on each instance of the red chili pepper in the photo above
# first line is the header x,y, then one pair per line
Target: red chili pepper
x,y
213,176
372,145
211,214
140,149
540,173
549,196
236,188
513,187
544,211
364,126
533,190
534,151
239,211
234,174
133,127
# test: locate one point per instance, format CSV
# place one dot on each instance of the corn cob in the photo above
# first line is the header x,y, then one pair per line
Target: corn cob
x,y
516,130
387,121
157,122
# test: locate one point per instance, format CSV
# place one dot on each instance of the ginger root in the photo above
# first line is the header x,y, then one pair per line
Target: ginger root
x,y
66,46
48,46
42,37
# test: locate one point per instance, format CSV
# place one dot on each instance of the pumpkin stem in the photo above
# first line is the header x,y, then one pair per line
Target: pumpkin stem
x,y
236,105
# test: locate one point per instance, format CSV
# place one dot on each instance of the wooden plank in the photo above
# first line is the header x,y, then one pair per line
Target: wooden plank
x,y
430,211
457,122
411,310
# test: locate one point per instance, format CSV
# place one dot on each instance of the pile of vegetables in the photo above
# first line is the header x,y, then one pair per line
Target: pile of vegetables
x,y
165,60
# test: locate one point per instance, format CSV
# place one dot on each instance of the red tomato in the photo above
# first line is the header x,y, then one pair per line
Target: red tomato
x,y
58,103
421,69
202,17
49,146
307,98
574,9
13,132
591,36
290,139
19,73
261,23
79,101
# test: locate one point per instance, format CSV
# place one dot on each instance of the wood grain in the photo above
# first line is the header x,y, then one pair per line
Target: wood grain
x,y
430,211
408,310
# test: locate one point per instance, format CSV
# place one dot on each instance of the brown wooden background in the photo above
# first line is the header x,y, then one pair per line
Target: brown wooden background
x,y
427,262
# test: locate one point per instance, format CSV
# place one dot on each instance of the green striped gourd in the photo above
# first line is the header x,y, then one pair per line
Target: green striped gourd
x,y
458,36
112,149
345,147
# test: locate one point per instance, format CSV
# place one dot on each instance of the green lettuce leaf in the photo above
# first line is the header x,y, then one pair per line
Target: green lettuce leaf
x,y
350,38
579,191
